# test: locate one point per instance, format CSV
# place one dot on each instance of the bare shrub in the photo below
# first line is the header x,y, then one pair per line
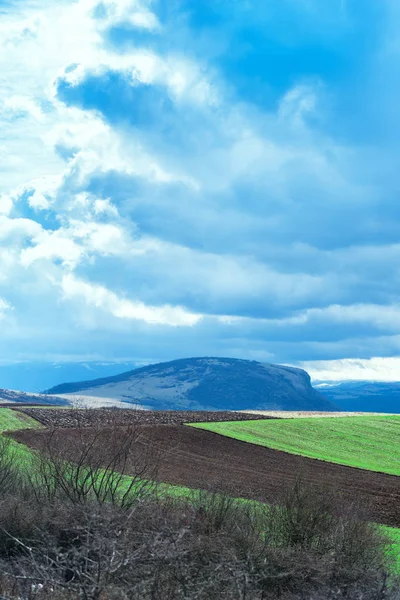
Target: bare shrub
x,y
213,511
163,551
94,468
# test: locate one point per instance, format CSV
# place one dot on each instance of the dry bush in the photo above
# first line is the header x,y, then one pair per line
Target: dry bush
x,y
94,467
168,550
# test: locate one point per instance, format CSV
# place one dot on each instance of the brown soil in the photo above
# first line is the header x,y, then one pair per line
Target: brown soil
x,y
201,459
69,417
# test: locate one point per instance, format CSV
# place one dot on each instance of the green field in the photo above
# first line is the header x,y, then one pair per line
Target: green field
x,y
394,550
11,420
366,442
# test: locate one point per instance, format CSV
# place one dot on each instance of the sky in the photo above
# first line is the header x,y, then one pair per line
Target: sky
x,y
217,178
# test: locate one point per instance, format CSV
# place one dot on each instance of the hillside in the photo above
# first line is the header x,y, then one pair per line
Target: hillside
x,y
367,396
206,383
15,397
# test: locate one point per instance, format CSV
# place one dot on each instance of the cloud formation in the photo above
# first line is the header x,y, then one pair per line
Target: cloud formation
x,y
199,178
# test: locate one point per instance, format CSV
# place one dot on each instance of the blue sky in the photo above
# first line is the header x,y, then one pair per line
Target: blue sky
x,y
201,178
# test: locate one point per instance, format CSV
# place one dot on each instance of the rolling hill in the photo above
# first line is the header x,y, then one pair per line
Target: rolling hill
x,y
205,383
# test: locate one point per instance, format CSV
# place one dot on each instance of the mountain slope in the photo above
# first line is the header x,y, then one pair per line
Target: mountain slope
x,y
206,383
367,396
15,397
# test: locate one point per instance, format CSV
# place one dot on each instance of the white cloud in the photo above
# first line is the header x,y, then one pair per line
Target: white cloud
x,y
356,369
105,207
18,228
6,204
23,104
4,308
125,11
52,246
70,244
101,238
296,104
100,297
380,316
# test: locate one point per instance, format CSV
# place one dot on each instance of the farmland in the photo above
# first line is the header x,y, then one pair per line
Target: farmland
x,y
194,458
187,457
365,442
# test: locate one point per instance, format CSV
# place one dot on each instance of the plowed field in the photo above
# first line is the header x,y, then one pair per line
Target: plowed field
x,y
202,459
69,417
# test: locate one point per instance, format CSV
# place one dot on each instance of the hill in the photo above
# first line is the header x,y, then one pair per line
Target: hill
x,y
366,396
15,397
206,383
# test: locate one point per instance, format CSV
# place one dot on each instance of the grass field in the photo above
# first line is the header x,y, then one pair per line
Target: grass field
x,y
394,550
11,420
364,442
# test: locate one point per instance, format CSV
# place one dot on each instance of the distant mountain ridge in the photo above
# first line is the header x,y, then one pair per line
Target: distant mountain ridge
x,y
39,375
205,383
366,396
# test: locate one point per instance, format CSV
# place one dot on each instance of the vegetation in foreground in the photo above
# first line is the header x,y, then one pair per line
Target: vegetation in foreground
x,y
71,530
365,442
